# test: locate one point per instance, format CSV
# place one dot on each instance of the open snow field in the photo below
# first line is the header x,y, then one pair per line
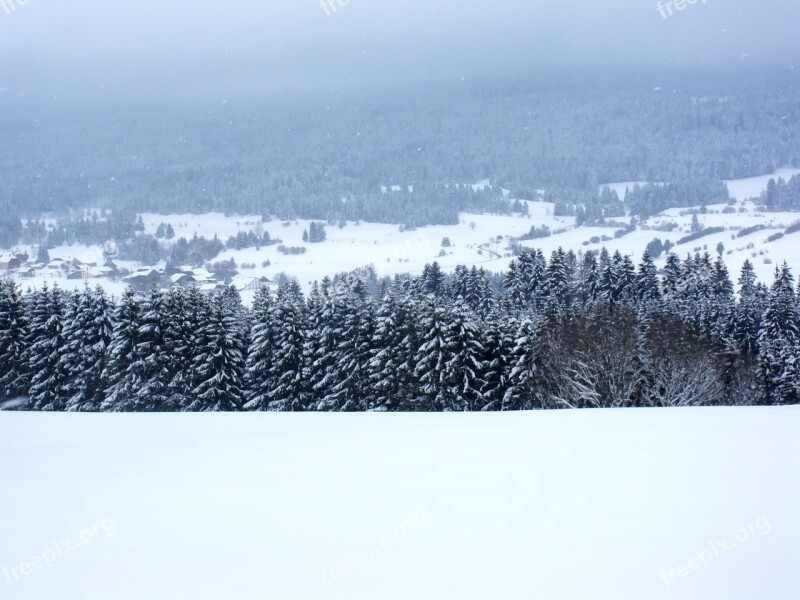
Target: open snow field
x,y
611,504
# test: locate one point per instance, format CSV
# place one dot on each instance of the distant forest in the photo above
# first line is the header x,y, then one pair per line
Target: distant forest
x,y
574,331
327,157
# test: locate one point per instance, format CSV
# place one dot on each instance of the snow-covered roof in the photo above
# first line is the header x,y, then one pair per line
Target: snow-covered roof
x,y
240,282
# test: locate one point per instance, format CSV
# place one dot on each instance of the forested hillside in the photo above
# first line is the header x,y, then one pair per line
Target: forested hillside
x,y
327,157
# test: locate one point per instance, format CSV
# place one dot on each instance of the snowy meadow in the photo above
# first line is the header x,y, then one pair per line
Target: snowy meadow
x,y
659,504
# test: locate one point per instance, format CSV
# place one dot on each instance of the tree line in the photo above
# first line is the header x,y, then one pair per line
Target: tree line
x,y
575,331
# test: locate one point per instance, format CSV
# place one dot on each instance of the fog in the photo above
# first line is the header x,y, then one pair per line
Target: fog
x,y
124,49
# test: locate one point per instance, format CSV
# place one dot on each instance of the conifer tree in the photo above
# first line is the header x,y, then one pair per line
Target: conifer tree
x,y
124,340
286,383
778,343
13,335
260,353
88,336
47,345
220,361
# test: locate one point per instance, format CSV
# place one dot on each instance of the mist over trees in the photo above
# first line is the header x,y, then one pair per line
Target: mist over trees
x,y
329,159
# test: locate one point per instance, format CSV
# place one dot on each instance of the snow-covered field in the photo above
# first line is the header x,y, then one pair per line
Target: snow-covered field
x,y
612,504
477,240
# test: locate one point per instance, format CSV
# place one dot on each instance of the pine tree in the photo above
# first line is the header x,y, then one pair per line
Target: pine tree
x,y
88,336
260,354
746,319
433,279
437,393
522,392
322,345
779,342
355,314
13,335
220,361
499,339
557,285
181,341
647,290
465,366
151,360
47,344
287,386
122,385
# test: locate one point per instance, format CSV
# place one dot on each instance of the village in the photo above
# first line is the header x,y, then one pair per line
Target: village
x,y
18,266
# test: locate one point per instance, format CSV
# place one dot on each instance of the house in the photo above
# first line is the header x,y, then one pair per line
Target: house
x,y
243,283
184,280
144,279
85,273
203,274
212,288
9,263
58,266
78,264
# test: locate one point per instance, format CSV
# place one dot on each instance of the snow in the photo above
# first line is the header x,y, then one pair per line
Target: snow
x,y
474,240
656,504
744,189
623,186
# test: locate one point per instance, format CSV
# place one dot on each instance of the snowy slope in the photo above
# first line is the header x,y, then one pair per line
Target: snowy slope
x,y
626,504
480,240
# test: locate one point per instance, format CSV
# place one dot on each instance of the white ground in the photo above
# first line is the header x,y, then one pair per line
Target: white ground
x,y
474,240
589,505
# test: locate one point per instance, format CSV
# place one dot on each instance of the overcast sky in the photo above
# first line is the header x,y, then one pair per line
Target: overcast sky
x,y
106,46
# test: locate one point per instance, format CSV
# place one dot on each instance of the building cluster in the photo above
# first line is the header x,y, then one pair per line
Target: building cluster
x,y
142,279
57,268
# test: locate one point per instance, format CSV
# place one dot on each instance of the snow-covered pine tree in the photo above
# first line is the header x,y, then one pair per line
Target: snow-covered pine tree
x,y
465,367
673,274
587,282
522,390
625,291
88,337
122,385
387,367
351,390
180,339
436,391
647,288
746,319
220,360
433,279
259,355
720,309
47,374
557,285
151,361
607,289
779,342
499,338
321,344
287,386
13,335
68,360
